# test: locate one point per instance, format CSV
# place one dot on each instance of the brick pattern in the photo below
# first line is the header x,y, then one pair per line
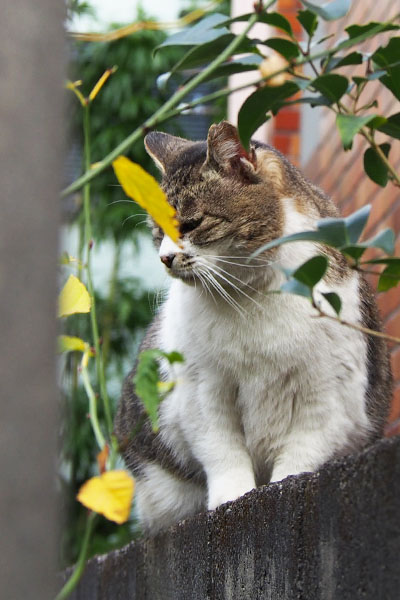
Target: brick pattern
x,y
285,128
342,176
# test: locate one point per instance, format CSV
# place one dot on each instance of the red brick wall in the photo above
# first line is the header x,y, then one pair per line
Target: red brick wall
x,y
341,175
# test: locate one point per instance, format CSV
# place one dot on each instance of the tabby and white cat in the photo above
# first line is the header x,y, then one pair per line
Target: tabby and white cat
x,y
267,388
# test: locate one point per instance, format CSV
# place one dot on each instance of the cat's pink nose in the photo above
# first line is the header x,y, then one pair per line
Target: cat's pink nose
x,y
167,259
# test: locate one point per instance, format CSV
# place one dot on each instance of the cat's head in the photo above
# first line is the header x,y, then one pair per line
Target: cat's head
x,y
227,201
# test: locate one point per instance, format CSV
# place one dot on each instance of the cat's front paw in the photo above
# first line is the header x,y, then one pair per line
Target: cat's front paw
x,y
229,487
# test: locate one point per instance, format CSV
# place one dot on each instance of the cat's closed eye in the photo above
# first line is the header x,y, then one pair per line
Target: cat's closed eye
x,y
189,226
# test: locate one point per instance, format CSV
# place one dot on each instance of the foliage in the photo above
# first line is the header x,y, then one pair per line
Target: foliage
x,y
148,385
127,100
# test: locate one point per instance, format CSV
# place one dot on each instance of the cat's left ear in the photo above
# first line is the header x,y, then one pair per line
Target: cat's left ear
x,y
226,154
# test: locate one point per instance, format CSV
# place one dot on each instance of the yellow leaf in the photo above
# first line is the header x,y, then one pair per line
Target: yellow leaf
x,y
67,343
110,494
101,82
164,387
144,189
74,298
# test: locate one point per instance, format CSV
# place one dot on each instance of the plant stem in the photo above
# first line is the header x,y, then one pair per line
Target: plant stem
x,y
109,314
93,409
160,114
360,328
88,237
73,581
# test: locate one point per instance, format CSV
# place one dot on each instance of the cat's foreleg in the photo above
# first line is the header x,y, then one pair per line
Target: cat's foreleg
x,y
218,443
307,450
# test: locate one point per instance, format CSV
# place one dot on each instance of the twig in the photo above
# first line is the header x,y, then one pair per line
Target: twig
x,y
360,328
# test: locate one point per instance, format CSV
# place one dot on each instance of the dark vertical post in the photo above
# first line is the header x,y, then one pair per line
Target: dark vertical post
x,y
31,82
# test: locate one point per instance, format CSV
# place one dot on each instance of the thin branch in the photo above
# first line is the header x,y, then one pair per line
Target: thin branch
x,y
360,328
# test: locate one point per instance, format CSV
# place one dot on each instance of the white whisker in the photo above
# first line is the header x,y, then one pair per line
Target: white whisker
x,y
235,287
223,293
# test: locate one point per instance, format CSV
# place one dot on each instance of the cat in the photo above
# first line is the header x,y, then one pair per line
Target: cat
x,y
267,388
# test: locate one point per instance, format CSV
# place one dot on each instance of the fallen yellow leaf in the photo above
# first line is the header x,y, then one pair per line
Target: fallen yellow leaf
x,y
74,298
144,189
110,494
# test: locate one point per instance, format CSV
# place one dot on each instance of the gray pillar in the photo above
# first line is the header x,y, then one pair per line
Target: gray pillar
x,y
31,92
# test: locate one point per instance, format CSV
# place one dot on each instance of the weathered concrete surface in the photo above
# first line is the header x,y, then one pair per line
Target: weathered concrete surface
x,y
32,71
333,535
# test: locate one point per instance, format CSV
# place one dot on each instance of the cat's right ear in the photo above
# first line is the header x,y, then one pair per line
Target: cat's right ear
x,y
163,147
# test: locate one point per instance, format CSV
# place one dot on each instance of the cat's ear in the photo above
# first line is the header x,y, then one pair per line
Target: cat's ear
x,y
162,147
226,154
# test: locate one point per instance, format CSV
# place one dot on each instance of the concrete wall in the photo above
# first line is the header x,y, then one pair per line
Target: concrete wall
x,y
31,74
333,535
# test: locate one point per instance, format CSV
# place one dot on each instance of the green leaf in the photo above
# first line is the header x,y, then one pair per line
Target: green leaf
x,y
341,234
253,112
391,126
173,357
275,19
147,379
334,300
384,240
238,65
335,62
308,21
362,35
331,10
387,57
204,53
374,166
349,126
369,29
384,56
293,286
333,230
312,271
312,100
356,222
204,31
286,48
386,260
332,86
390,276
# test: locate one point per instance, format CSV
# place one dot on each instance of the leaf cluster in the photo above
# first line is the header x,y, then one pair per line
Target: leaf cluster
x,y
329,86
